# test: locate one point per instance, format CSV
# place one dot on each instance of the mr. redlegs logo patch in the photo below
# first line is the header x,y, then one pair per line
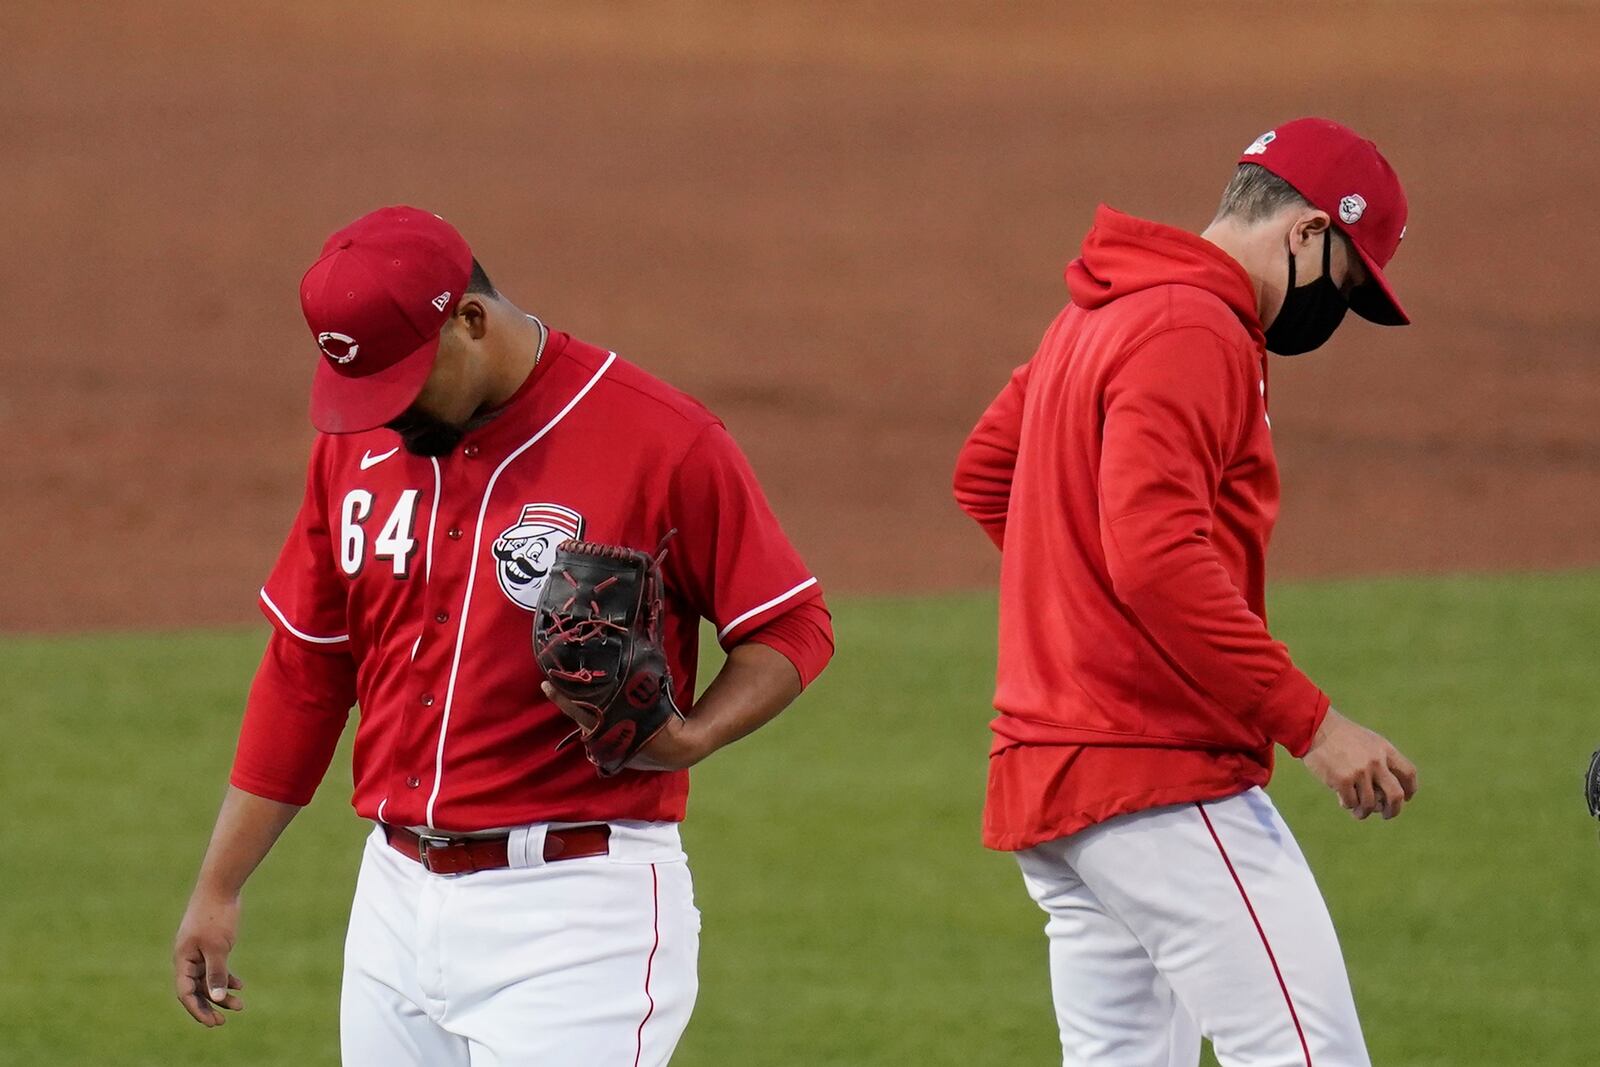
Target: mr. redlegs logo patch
x,y
525,550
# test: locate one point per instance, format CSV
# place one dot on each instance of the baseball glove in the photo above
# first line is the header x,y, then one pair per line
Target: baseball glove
x,y
597,637
1591,785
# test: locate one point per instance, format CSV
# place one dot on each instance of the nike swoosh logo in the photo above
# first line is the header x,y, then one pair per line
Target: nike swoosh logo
x,y
369,460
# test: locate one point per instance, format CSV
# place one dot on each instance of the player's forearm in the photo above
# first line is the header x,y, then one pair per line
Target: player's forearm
x,y
755,684
982,488
988,459
1197,615
982,482
246,829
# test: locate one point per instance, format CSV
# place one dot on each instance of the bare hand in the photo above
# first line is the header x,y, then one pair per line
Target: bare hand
x,y
675,748
1369,774
200,959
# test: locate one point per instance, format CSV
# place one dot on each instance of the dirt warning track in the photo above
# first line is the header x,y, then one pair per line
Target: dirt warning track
x,y
838,224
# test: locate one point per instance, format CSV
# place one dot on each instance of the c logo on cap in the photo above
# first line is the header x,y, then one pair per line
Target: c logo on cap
x,y
341,348
1351,208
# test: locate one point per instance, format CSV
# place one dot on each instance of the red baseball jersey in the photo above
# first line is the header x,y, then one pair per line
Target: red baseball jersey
x,y
425,573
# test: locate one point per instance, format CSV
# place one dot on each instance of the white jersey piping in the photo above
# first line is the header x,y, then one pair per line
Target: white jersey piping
x,y
759,608
302,635
472,575
433,513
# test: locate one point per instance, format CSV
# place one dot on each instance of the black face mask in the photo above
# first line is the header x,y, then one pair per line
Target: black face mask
x,y
1311,312
424,435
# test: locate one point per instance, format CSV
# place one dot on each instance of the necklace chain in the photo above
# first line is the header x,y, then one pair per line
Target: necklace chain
x,y
544,335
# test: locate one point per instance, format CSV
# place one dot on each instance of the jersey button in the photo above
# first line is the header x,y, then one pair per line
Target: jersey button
x,y
442,617
427,700
412,783
470,451
454,533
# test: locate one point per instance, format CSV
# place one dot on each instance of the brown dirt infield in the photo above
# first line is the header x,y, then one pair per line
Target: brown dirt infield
x,y
838,224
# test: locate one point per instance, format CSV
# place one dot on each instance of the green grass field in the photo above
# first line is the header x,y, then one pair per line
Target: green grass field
x,y
851,916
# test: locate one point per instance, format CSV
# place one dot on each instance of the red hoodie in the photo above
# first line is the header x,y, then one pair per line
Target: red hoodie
x,y
1127,474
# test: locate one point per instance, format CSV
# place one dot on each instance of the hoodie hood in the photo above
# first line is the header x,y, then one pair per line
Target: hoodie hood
x,y
1123,255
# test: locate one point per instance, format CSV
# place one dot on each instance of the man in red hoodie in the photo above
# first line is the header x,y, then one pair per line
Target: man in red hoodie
x,y
1127,474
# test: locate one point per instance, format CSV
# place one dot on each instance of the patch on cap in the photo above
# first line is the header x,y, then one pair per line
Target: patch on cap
x,y
1351,208
1259,145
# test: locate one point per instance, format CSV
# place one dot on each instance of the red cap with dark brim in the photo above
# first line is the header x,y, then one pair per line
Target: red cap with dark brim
x,y
1376,301
1340,172
375,300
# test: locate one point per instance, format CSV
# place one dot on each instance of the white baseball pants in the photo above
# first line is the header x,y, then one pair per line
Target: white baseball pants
x,y
575,963
1191,920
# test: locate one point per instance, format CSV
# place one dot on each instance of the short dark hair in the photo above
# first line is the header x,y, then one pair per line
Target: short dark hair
x,y
479,281
1255,193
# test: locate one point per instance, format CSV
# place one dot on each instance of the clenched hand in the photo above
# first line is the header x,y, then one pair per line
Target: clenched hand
x,y
200,959
1361,766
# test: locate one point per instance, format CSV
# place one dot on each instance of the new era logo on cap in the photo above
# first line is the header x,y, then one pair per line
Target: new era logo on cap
x,y
386,278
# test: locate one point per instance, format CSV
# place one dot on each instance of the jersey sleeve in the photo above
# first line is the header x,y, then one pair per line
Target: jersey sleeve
x,y
988,459
1173,413
305,596
803,635
731,560
298,706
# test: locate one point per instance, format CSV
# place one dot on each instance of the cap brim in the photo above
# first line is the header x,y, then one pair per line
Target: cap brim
x,y
346,404
1375,301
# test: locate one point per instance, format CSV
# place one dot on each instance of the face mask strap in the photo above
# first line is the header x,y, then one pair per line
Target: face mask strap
x,y
1311,312
1327,258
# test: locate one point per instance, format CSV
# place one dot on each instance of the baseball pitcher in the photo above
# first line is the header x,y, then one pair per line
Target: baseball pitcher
x,y
1127,474
507,542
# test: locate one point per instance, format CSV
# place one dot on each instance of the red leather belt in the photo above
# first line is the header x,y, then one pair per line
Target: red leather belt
x,y
441,854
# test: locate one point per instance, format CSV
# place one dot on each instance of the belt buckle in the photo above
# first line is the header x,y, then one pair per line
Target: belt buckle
x,y
425,842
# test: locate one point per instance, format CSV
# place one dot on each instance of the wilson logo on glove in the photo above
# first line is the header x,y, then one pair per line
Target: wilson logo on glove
x,y
644,689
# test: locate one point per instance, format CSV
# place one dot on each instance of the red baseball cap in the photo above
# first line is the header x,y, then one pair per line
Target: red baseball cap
x,y
1342,173
375,300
